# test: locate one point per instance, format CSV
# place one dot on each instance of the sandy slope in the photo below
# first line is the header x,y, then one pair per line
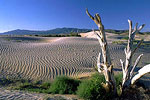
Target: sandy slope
x,y
110,36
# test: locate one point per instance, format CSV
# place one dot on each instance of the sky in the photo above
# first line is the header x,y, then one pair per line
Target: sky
x,y
50,14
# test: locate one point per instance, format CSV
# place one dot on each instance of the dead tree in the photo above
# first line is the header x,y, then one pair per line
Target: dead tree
x,y
106,66
128,77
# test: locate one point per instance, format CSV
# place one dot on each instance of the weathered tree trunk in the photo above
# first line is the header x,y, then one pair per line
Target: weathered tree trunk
x,y
128,77
129,51
106,66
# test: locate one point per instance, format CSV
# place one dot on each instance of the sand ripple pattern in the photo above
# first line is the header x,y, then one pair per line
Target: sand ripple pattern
x,y
46,60
18,95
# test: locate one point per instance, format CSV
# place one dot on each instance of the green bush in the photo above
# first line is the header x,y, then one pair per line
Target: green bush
x,y
92,89
27,86
118,79
64,85
45,85
37,86
125,38
96,77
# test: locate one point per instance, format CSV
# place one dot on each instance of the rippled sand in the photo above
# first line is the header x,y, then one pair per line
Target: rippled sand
x,y
45,58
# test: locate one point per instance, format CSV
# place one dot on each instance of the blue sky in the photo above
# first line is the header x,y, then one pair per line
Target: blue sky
x,y
50,14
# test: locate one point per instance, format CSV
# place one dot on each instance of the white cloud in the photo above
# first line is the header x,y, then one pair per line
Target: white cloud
x,y
1,31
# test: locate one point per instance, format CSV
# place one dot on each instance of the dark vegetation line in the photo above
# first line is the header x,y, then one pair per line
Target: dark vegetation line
x,y
90,89
60,35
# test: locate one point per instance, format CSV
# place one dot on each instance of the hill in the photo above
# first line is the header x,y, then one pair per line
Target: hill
x,y
60,31
53,31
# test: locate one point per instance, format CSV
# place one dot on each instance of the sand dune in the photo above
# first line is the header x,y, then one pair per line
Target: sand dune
x,y
110,36
46,58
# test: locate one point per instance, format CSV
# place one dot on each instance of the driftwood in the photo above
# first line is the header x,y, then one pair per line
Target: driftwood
x,y
106,66
128,77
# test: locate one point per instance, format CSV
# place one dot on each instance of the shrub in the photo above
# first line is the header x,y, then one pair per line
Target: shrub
x,y
45,85
64,85
37,86
118,79
92,89
5,81
25,85
96,77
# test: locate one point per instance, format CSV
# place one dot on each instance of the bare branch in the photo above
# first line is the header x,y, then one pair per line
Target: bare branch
x,y
135,28
100,25
122,64
135,64
98,18
141,27
141,72
128,70
125,51
89,14
138,45
130,27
